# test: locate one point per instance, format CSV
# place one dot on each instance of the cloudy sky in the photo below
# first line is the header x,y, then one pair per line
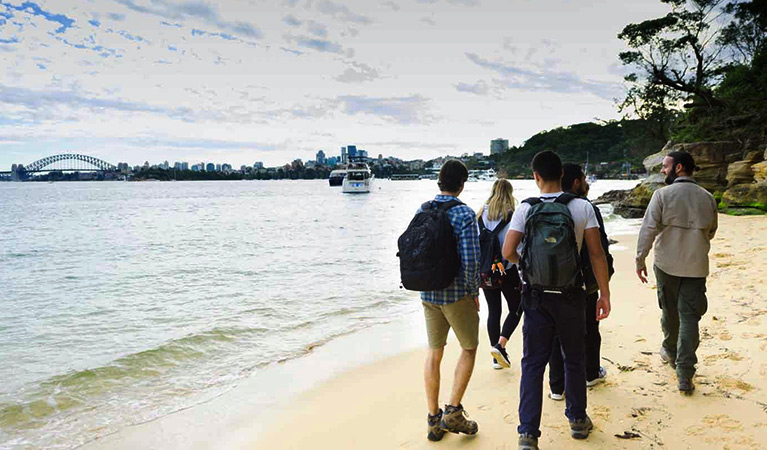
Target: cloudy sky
x,y
241,81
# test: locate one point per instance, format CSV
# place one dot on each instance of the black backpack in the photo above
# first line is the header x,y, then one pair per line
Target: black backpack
x,y
588,273
428,250
550,260
491,256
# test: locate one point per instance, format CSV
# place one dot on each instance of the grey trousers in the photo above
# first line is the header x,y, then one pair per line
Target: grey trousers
x,y
683,301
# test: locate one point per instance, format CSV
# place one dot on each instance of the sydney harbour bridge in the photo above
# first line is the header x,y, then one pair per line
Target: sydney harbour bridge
x,y
66,162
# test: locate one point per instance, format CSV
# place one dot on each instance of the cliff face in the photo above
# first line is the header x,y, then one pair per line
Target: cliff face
x,y
735,173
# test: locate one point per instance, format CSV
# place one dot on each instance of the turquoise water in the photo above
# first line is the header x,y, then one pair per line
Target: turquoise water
x,y
123,302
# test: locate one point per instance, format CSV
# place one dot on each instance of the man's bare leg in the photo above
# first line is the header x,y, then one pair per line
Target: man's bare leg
x,y
431,378
463,371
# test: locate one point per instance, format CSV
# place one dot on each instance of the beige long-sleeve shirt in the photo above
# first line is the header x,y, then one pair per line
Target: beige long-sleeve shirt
x,y
683,218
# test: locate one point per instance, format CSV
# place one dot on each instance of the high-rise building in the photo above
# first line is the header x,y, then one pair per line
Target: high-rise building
x,y
499,146
184,165
210,167
344,155
351,150
362,153
321,158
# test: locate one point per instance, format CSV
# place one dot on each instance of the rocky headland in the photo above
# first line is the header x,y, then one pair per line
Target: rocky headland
x,y
734,172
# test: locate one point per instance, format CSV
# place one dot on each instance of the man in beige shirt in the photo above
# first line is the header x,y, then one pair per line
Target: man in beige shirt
x,y
681,220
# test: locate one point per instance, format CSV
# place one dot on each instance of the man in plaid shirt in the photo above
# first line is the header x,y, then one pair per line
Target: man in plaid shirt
x,y
454,307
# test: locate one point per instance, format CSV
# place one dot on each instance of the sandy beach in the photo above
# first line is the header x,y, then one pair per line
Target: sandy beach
x,y
381,405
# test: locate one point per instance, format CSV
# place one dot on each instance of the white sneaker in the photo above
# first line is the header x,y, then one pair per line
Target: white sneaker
x,y
496,366
598,379
556,397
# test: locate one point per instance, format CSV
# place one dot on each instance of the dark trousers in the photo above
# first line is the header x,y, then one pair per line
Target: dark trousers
x,y
547,316
510,290
593,346
683,302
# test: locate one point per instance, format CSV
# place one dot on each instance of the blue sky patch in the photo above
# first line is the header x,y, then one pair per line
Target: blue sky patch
x,y
35,9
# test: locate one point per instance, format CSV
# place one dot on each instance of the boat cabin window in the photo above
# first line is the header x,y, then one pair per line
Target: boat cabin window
x,y
357,176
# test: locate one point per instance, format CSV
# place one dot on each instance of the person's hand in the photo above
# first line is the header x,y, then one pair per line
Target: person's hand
x,y
603,306
642,274
476,302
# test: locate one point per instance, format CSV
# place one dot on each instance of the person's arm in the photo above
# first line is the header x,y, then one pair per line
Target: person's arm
x,y
468,250
715,225
593,243
651,227
510,244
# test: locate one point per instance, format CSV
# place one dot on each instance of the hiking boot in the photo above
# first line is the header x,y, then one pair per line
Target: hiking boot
x,y
435,431
528,442
556,397
496,366
686,386
600,378
667,358
500,355
580,428
454,420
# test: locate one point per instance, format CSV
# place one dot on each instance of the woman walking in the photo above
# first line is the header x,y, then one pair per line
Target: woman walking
x,y
497,212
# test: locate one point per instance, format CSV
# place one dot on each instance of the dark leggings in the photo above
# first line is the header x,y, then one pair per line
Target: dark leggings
x,y
510,290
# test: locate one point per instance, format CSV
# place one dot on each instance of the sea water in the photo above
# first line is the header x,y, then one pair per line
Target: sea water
x,y
123,302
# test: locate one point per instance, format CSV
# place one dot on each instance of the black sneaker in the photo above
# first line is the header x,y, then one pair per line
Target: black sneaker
x,y
528,442
580,428
435,431
500,355
686,386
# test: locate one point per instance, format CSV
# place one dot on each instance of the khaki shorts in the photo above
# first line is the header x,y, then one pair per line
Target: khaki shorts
x,y
461,316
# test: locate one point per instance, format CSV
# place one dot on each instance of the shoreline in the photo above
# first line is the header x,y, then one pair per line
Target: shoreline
x,y
382,405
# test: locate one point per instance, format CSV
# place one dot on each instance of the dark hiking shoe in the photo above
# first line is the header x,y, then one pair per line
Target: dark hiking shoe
x,y
500,355
528,442
667,357
454,420
580,428
435,431
686,386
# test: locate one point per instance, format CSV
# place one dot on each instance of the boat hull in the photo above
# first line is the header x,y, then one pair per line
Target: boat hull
x,y
356,187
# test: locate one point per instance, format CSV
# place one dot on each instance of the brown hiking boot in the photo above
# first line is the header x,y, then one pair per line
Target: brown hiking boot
x,y
435,431
454,420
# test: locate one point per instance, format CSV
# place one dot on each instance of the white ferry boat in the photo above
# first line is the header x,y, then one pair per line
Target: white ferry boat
x,y
336,177
358,178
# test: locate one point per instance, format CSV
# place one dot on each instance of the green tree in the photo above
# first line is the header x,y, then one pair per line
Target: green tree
x,y
677,56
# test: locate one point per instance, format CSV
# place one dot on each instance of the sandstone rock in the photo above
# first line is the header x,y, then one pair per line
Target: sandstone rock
x,y
635,202
753,195
612,197
760,171
712,158
739,172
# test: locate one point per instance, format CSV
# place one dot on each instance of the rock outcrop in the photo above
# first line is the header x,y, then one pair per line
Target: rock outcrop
x,y
733,172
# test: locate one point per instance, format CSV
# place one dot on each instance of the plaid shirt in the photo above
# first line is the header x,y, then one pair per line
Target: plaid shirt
x,y
464,222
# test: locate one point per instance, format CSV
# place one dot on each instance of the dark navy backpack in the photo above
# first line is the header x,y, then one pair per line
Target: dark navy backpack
x,y
428,250
490,256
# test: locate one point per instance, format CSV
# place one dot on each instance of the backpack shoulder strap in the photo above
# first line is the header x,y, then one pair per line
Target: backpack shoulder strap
x,y
481,224
501,225
444,206
565,198
532,201
425,206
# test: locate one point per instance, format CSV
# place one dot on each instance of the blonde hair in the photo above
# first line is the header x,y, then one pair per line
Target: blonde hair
x,y
500,205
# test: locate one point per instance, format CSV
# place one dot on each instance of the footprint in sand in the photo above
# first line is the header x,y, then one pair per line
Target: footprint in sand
x,y
511,419
602,412
721,421
732,356
726,383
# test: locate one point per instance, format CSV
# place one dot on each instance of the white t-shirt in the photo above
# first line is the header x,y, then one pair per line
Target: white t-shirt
x,y
580,209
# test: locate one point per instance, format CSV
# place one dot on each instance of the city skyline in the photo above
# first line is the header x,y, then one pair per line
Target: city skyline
x,y
185,80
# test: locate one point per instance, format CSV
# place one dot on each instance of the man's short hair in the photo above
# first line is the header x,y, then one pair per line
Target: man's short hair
x,y
685,159
572,172
452,175
548,165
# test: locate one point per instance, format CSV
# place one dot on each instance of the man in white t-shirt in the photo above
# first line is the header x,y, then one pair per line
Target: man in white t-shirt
x,y
551,313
